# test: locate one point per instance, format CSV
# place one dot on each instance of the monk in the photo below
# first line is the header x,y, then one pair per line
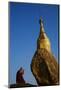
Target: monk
x,y
19,76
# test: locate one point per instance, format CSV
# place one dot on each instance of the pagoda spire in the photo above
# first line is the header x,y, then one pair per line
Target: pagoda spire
x,y
43,41
41,25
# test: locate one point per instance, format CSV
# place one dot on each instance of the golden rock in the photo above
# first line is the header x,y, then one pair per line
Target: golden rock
x,y
44,65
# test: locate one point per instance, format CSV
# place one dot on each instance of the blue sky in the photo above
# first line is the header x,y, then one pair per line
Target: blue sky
x,y
24,30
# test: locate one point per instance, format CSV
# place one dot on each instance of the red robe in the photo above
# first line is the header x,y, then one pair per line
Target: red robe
x,y
19,78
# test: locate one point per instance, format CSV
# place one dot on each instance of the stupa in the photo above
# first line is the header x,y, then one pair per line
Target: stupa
x,y
44,65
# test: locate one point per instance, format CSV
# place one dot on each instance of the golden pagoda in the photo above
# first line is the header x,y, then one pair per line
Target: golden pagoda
x,y
43,40
44,66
